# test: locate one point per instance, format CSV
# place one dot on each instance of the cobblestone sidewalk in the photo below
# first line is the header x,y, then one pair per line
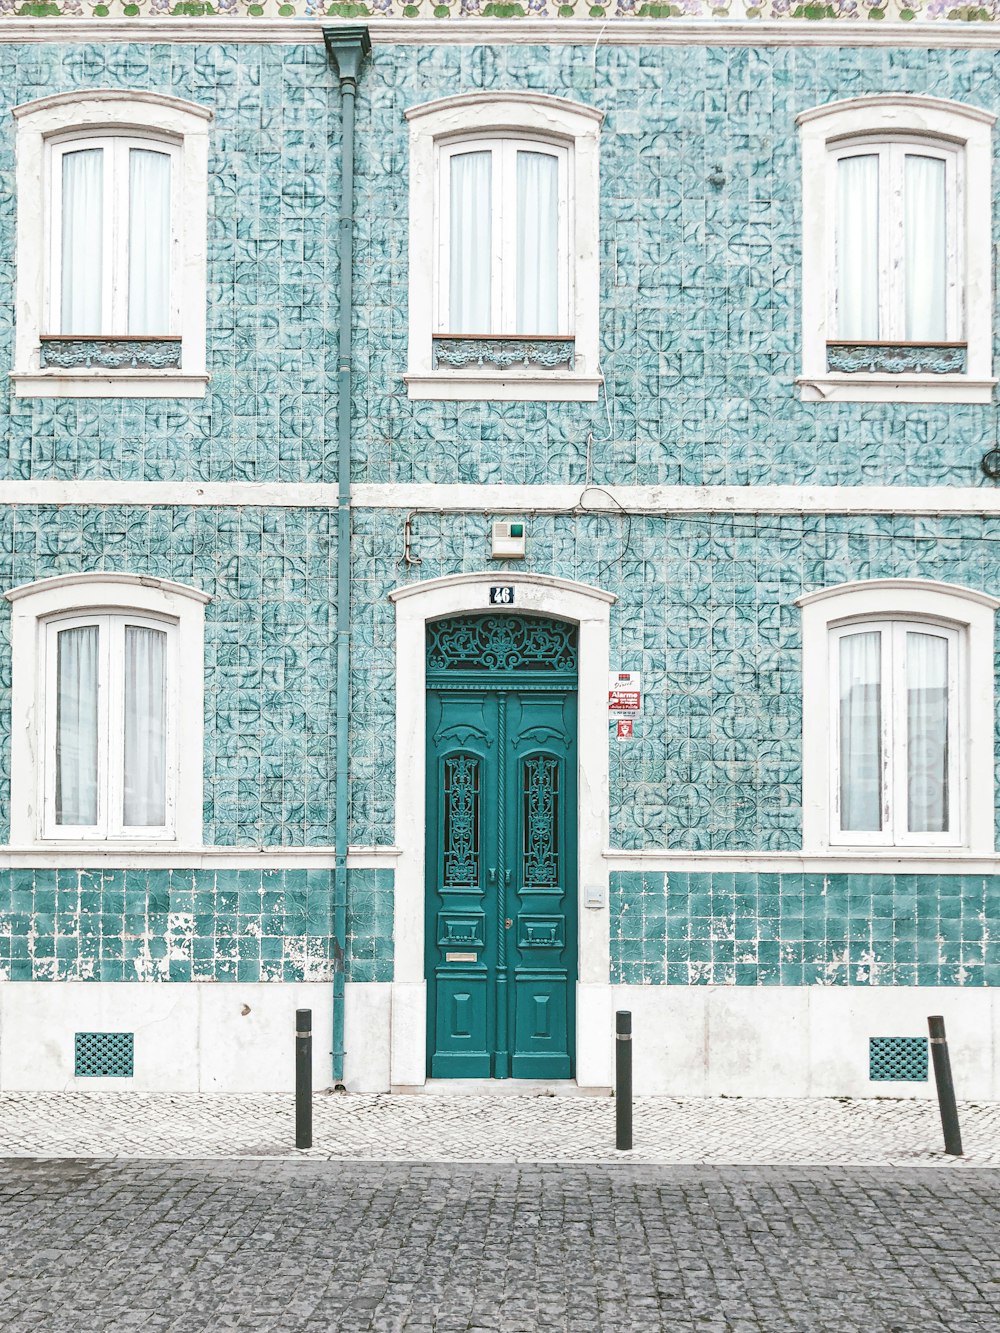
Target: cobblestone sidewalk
x,y
432,1128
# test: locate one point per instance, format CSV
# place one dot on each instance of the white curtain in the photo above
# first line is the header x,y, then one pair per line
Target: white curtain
x,y
76,726
82,277
857,248
925,226
861,732
927,732
537,243
149,242
145,727
469,280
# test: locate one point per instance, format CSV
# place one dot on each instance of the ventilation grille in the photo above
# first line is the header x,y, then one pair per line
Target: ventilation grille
x,y
897,1059
104,1054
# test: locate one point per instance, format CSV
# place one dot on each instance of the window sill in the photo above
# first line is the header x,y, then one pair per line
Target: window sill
x,y
108,384
902,851
868,388
98,846
503,387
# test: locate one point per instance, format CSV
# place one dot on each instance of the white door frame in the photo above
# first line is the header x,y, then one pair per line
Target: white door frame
x,y
462,594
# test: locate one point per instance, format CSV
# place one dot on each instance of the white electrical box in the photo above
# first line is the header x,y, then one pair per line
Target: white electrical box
x,y
594,895
508,541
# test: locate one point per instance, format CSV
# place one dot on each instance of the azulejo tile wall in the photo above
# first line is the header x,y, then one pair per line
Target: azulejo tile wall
x,y
699,337
270,411
707,613
725,929
270,715
699,280
700,303
190,925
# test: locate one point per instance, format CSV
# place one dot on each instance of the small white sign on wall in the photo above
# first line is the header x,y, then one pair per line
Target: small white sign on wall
x,y
624,693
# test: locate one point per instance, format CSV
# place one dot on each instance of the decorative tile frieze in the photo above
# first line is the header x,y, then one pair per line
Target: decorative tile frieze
x,y
503,353
505,10
111,353
898,358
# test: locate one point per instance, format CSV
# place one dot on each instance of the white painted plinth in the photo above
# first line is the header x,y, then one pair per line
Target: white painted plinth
x,y
800,1041
189,1036
809,1041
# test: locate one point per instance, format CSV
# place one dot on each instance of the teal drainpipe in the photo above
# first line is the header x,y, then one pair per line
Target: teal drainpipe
x,y
347,48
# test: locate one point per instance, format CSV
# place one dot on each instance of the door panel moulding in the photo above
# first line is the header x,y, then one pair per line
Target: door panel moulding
x,y
501,927
416,604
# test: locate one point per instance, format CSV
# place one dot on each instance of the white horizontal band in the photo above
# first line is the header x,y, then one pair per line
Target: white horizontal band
x,y
94,855
898,500
887,861
870,861
523,31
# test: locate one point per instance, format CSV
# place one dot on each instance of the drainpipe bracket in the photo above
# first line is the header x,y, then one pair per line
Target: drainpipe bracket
x,y
347,47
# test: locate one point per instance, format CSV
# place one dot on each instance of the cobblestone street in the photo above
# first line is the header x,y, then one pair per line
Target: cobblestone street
x,y
459,1213
91,1246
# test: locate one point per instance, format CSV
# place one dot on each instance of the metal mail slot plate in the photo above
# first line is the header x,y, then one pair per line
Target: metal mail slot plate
x,y
460,958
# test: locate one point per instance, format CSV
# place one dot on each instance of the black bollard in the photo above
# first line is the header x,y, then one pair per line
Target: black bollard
x,y
303,1079
623,1080
945,1087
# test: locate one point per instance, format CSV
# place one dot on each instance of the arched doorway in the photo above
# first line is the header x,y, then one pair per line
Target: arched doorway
x,y
541,595
501,930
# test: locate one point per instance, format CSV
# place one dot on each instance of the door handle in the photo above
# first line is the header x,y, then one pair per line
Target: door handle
x,y
506,879
491,875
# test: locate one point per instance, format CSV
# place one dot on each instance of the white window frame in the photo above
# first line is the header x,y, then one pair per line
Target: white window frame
x,y
45,129
503,151
943,128
110,823
892,153
38,611
437,130
894,734
115,295
968,617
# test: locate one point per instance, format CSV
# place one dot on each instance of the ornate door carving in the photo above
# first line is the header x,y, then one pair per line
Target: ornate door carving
x,y
501,839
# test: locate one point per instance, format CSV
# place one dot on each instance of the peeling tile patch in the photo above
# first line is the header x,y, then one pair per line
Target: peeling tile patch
x,y
725,929
190,925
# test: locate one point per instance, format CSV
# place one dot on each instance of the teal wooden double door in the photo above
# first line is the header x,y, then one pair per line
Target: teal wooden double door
x,y
501,925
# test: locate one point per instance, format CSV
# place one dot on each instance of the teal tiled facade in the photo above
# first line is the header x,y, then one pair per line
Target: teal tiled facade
x,y
270,724
707,613
190,925
700,345
753,929
699,281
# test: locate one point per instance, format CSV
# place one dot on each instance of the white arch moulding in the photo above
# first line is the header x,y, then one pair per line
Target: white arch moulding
x,y
535,594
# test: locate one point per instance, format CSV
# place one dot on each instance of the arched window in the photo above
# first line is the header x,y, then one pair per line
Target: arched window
x,y
503,248
896,279
112,227
504,237
897,716
111,285
107,699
